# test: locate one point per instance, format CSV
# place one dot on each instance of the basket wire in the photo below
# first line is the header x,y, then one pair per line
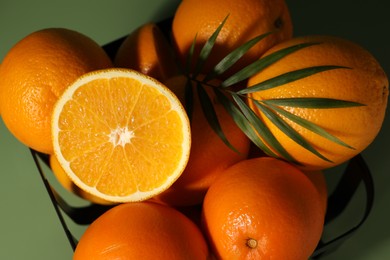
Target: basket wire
x,y
355,174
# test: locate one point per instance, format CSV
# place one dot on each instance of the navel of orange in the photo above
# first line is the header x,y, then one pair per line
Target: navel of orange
x,y
263,208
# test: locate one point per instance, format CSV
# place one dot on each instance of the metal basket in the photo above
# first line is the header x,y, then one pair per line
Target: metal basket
x,y
355,173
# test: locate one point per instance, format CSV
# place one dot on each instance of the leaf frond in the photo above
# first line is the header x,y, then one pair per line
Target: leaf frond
x,y
189,57
211,116
245,118
262,63
230,59
207,47
315,103
262,129
242,122
310,126
287,78
289,131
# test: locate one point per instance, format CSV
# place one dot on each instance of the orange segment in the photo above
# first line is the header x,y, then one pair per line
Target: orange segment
x,y
120,135
67,183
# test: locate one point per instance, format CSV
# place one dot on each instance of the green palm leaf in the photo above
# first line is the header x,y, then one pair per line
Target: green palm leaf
x,y
230,59
288,130
308,125
243,116
242,122
189,57
262,129
287,78
262,63
317,103
211,116
206,49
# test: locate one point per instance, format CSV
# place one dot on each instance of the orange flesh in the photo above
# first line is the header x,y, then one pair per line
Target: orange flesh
x,y
121,142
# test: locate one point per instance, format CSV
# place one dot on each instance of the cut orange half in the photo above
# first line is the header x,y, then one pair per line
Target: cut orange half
x,y
120,135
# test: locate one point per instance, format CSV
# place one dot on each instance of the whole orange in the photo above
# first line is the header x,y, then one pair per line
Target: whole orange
x,y
363,81
209,155
247,19
147,50
142,230
35,71
263,208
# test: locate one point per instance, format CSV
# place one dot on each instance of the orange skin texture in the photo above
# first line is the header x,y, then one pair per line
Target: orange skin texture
x,y
364,82
247,19
316,177
35,72
148,51
265,201
209,156
142,230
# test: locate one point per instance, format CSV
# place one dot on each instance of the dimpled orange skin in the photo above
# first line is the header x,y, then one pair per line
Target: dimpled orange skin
x,y
247,19
263,208
365,82
316,177
142,230
33,74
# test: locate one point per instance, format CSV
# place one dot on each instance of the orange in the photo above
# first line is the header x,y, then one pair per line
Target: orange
x,y
316,177
247,19
67,183
209,154
263,208
35,71
363,82
142,230
147,50
120,135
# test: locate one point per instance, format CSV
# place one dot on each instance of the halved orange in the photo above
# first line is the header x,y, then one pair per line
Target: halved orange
x,y
120,135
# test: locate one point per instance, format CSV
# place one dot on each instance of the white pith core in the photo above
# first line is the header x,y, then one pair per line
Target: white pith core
x,y
121,136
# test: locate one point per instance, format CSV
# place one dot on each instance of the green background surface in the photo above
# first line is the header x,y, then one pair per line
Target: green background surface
x,y
29,227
